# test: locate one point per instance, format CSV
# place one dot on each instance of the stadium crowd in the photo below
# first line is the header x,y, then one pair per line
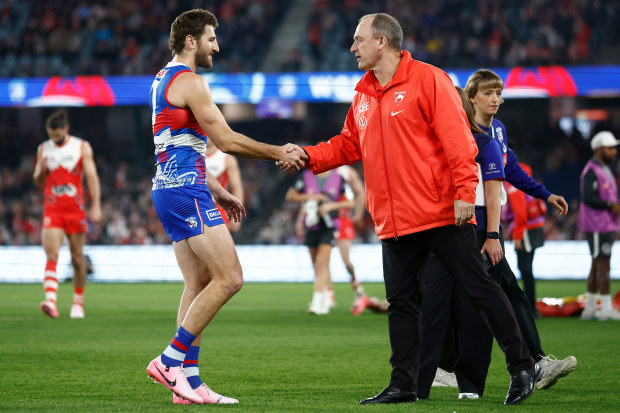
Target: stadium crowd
x,y
129,37
76,37
123,37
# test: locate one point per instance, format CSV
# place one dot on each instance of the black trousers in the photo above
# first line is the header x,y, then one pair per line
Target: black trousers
x,y
467,341
457,249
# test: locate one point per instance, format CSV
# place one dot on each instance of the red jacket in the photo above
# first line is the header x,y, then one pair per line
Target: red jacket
x,y
528,212
416,145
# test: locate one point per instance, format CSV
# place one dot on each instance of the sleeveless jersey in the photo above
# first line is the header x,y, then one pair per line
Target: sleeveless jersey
x,y
63,185
180,142
216,164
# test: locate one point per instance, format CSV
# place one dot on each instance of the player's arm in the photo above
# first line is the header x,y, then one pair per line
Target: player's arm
x,y
229,203
359,197
235,185
492,189
293,195
192,90
327,207
92,180
40,169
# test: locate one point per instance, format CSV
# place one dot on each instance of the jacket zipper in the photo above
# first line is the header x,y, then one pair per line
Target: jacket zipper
x,y
385,165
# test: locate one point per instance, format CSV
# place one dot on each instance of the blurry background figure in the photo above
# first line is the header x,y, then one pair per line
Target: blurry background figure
x,y
322,197
60,162
526,217
225,168
598,218
345,231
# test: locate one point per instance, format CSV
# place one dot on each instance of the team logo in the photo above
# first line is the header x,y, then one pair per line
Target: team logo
x,y
213,214
492,166
500,134
364,107
363,122
398,97
191,221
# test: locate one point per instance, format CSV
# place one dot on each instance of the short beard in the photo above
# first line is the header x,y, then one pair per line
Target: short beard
x,y
205,63
61,142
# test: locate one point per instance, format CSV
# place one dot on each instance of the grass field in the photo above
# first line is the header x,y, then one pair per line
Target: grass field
x,y
262,349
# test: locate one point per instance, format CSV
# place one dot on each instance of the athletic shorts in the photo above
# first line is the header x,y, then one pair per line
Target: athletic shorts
x,y
322,235
600,243
346,231
184,211
70,221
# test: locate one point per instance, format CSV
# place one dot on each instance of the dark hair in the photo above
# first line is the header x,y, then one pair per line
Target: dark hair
x,y
469,110
386,25
57,120
190,23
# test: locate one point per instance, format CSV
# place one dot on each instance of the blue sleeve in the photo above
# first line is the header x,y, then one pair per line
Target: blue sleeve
x,y
492,161
518,178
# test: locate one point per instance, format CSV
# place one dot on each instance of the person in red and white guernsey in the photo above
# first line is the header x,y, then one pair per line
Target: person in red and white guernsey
x,y
62,160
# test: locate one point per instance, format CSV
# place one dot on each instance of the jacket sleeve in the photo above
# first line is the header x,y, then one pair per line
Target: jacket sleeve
x,y
517,177
343,149
445,115
517,202
590,192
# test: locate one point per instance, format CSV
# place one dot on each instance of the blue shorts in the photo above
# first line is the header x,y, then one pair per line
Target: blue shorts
x,y
184,210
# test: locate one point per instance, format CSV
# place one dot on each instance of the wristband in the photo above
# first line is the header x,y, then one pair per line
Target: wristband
x,y
493,235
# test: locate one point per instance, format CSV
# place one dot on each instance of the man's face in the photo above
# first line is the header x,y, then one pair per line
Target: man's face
x,y
487,101
58,135
365,47
206,47
609,154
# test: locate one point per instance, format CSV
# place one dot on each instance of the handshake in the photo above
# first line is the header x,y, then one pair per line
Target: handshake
x,y
292,158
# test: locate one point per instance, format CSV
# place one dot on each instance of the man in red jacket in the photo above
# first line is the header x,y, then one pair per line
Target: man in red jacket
x,y
408,126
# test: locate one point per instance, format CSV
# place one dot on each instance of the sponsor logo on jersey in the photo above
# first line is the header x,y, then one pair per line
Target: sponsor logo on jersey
x,y
364,107
191,221
213,214
161,73
66,190
492,166
363,122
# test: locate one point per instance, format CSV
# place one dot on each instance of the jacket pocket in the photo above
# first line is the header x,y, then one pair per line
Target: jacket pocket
x,y
429,176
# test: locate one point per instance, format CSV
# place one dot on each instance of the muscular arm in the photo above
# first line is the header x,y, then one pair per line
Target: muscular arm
x,y
191,90
92,180
40,173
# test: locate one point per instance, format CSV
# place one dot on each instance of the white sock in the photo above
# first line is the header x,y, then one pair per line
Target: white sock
x,y
605,303
591,301
317,298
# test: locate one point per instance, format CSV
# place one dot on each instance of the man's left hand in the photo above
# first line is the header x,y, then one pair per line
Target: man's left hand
x,y
229,203
463,212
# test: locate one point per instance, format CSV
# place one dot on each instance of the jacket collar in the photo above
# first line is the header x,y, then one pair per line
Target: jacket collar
x,y
369,85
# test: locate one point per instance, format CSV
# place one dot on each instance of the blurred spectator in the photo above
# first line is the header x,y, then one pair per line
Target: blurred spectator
x,y
123,37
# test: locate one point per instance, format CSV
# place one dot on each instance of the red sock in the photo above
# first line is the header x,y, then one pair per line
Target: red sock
x,y
78,295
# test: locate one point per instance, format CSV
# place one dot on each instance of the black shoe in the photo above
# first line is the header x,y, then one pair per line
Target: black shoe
x,y
392,395
522,385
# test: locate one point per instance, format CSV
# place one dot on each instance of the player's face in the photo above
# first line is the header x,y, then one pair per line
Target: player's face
x,y
365,47
58,135
207,46
487,101
609,154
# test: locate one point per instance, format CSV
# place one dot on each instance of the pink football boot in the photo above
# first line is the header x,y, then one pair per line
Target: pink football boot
x,y
49,309
208,397
174,379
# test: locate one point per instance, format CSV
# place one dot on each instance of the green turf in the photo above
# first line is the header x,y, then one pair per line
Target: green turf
x,y
263,349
